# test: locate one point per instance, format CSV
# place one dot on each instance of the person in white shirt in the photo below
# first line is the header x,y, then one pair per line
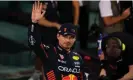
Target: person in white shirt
x,y
112,16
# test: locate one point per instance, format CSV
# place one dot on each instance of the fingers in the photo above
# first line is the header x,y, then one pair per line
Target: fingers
x,y
44,6
43,12
38,4
128,9
33,10
40,7
35,6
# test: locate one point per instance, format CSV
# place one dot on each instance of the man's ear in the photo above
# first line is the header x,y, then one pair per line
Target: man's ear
x,y
58,36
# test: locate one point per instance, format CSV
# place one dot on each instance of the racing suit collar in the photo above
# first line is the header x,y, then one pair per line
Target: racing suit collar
x,y
62,50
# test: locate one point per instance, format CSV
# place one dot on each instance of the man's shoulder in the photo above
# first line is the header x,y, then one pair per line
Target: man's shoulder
x,y
104,3
76,55
47,46
105,8
50,50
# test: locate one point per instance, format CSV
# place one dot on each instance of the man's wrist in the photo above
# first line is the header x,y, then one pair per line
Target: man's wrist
x,y
123,17
54,24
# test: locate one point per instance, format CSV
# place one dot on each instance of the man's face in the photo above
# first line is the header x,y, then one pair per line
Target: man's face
x,y
113,49
66,41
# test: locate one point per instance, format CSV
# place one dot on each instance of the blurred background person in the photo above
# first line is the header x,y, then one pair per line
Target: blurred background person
x,y
68,12
128,22
117,64
112,17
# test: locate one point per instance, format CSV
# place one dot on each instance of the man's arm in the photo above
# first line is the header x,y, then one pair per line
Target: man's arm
x,y
34,36
103,65
34,39
38,11
110,20
76,11
44,22
129,75
107,14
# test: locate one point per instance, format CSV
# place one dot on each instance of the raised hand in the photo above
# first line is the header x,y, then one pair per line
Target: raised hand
x,y
38,11
126,13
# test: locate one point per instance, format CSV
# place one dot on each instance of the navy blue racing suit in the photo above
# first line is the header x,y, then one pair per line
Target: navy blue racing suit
x,y
58,64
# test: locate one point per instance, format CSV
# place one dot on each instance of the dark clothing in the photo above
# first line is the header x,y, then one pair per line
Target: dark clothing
x,y
51,11
91,66
83,30
48,35
66,12
57,63
126,56
128,22
128,26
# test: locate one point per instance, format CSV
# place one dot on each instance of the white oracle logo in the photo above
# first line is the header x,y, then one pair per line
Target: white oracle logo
x,y
66,69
